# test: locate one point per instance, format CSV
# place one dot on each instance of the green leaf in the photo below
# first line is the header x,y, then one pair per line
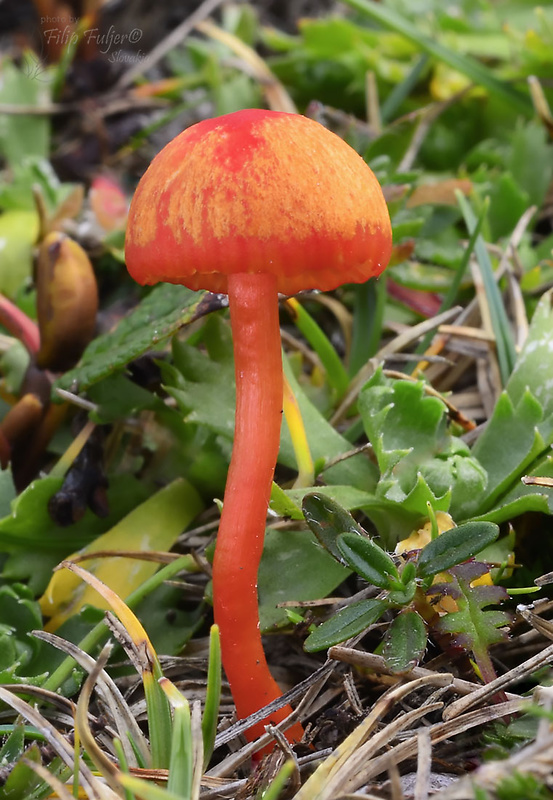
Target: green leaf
x,y
404,594
454,546
402,90
517,438
118,397
333,55
394,519
348,497
47,659
396,516
203,386
508,202
23,783
405,642
203,383
404,426
160,723
14,363
519,784
530,160
420,461
348,622
21,614
421,276
534,367
328,520
166,309
30,527
460,269
13,745
520,501
7,492
18,232
31,175
522,497
510,442
368,560
408,573
283,505
23,135
293,567
473,627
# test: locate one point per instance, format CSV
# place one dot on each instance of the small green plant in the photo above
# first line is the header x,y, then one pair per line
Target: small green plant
x,y
438,588
181,739
502,738
522,786
19,615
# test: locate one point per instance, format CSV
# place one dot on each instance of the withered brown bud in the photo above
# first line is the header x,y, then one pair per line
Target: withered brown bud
x,y
19,422
67,302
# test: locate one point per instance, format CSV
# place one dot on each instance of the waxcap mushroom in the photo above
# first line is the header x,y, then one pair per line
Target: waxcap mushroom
x,y
253,204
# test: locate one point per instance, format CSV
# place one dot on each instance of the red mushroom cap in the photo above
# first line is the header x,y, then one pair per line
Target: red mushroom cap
x,y
258,191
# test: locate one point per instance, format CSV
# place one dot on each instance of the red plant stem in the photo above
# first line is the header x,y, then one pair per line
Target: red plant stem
x,y
253,303
19,325
427,304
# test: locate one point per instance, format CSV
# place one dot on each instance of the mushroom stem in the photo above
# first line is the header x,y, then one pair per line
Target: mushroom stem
x,y
253,301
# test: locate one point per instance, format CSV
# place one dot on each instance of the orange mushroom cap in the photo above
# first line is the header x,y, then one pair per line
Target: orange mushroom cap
x,y
258,191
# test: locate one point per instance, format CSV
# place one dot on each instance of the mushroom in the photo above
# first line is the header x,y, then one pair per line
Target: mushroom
x,y
255,203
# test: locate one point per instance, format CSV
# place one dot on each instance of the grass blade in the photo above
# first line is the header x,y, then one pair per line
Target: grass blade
x,y
274,789
181,761
213,694
159,713
319,341
402,90
123,764
476,72
506,352
159,719
146,790
369,300
451,293
99,632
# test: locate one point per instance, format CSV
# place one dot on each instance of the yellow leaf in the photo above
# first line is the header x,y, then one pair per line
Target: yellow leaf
x,y
154,525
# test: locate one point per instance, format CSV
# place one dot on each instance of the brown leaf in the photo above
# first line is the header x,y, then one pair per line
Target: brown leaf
x,y
442,192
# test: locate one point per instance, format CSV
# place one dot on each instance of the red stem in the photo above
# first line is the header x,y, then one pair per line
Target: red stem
x,y
253,303
19,325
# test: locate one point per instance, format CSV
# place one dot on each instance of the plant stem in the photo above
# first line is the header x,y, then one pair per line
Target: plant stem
x,y
259,391
19,325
